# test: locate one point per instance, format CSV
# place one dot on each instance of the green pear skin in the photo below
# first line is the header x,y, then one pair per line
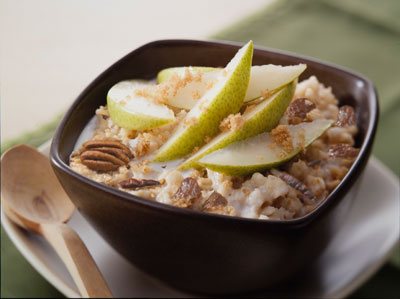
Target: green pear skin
x,y
260,152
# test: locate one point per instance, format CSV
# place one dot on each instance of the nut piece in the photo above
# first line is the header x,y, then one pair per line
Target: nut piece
x,y
298,109
188,190
237,182
215,200
136,184
105,155
342,150
315,164
294,183
346,117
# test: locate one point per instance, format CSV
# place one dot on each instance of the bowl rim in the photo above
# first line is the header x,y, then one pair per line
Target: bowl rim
x,y
343,186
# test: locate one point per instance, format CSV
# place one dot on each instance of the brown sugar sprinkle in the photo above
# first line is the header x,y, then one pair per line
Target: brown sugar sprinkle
x,y
177,82
182,203
207,139
233,122
210,85
281,136
142,146
161,93
190,121
196,95
246,191
265,94
144,93
342,150
143,167
346,117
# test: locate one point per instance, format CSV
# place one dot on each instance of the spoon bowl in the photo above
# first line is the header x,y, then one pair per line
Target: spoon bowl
x,y
33,198
30,187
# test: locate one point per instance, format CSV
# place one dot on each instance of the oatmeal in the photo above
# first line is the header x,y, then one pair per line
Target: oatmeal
x,y
124,158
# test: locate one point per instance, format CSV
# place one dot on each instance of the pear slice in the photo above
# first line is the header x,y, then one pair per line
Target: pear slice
x,y
261,118
264,80
224,98
262,152
184,91
130,111
165,74
267,79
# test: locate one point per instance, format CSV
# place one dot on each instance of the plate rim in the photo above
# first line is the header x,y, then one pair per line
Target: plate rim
x,y
65,289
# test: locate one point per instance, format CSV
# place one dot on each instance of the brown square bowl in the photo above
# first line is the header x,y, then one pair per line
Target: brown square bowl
x,y
202,252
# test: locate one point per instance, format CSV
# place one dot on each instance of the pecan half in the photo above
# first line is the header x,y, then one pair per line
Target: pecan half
x,y
298,109
136,184
342,150
189,189
105,155
294,183
346,117
213,201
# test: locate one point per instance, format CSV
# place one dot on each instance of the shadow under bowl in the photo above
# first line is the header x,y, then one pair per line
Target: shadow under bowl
x,y
202,252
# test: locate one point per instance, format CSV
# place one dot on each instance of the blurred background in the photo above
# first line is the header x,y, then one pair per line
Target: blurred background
x,y
51,49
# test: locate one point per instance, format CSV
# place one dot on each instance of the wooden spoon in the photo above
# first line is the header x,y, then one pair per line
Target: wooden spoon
x,y
33,198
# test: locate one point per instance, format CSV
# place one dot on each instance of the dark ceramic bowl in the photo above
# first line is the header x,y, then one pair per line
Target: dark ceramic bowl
x,y
201,252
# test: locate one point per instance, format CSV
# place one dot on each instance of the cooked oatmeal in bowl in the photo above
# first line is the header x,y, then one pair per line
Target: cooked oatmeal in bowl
x,y
112,152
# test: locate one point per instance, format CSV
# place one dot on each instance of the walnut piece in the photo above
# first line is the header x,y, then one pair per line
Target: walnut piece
x,y
105,155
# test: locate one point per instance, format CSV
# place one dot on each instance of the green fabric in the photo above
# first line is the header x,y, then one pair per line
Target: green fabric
x,y
362,35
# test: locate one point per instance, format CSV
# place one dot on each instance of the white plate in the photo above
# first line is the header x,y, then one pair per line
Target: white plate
x,y
363,244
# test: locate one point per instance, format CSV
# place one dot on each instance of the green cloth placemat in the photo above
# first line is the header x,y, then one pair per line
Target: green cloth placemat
x,y
362,35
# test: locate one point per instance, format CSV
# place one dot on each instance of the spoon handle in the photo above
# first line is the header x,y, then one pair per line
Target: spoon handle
x,y
77,259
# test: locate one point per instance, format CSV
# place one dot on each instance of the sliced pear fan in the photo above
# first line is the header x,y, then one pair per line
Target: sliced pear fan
x,y
132,111
224,98
264,81
261,118
261,152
